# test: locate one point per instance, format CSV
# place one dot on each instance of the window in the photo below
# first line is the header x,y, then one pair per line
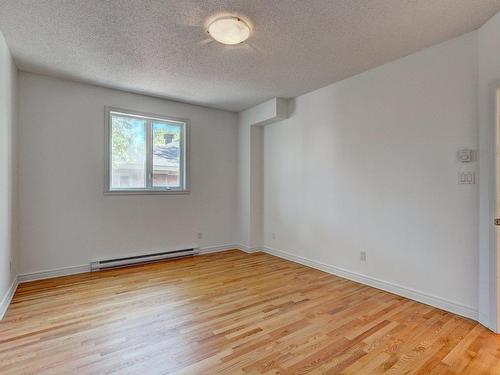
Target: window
x,y
146,153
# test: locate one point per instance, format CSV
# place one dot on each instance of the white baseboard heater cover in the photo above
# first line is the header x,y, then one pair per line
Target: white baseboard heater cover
x,y
139,259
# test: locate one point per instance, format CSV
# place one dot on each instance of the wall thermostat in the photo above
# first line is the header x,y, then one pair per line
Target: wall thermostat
x,y
465,155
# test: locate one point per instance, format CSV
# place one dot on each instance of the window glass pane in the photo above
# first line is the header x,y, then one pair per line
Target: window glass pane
x,y
128,152
167,151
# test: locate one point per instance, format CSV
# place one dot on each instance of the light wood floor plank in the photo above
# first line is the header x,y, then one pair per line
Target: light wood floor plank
x,y
233,313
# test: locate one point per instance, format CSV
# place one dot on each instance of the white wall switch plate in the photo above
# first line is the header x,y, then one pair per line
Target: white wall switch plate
x,y
465,155
466,178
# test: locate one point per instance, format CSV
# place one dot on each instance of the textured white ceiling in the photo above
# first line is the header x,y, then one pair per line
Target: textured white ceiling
x,y
161,48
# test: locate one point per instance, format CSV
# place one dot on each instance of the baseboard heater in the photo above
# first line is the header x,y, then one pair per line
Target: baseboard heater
x,y
139,259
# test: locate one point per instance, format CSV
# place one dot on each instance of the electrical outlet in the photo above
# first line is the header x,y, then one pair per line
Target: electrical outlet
x,y
273,235
10,266
362,256
200,235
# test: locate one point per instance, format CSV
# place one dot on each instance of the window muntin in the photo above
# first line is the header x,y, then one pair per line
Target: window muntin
x,y
146,153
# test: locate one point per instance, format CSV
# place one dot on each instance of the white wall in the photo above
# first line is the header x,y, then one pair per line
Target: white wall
x,y
244,179
369,164
65,218
489,77
8,129
250,201
250,171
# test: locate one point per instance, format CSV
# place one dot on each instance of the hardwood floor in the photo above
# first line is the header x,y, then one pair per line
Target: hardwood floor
x,y
232,313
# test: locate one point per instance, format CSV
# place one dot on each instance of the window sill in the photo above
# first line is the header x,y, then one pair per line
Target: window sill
x,y
146,192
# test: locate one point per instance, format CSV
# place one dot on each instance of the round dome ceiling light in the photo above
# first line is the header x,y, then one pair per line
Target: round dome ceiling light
x,y
229,30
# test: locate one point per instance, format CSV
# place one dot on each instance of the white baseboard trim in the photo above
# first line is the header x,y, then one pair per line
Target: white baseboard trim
x,y
72,270
485,320
4,305
248,249
49,274
217,249
428,299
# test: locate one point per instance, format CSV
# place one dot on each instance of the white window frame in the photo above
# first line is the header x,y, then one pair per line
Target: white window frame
x,y
149,189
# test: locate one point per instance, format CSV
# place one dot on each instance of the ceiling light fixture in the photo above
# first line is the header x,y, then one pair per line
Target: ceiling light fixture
x,y
229,30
